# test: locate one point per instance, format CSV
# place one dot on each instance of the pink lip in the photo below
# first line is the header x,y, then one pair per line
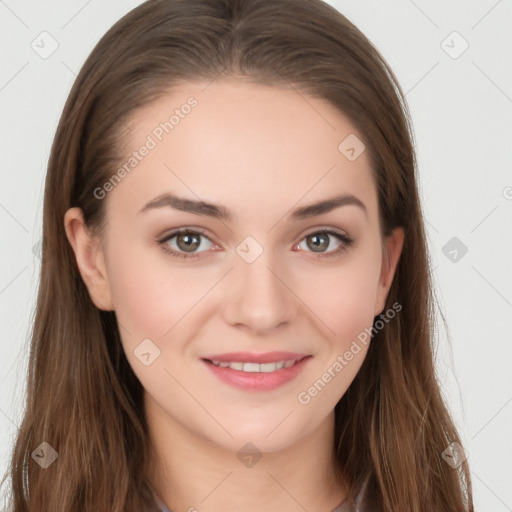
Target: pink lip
x,y
252,381
252,357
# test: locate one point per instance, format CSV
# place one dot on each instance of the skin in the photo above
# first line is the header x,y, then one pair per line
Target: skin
x,y
260,152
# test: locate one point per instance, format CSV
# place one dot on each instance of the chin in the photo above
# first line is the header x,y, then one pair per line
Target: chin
x,y
268,433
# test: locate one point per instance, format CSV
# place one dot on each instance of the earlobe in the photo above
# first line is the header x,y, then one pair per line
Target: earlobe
x,y
89,259
391,255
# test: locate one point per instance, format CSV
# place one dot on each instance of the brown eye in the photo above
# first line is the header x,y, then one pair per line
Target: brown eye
x,y
188,242
319,241
185,243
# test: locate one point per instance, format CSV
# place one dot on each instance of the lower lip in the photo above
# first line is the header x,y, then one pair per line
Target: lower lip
x,y
257,381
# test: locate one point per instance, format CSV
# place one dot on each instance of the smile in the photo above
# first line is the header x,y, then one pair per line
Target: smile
x,y
256,372
255,367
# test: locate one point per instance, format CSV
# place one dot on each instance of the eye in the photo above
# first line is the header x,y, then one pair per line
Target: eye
x,y
184,243
320,241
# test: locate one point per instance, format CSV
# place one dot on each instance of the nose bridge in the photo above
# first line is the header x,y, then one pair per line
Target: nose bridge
x,y
258,298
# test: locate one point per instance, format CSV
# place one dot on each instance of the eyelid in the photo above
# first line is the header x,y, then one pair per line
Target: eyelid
x,y
329,229
186,229
344,238
162,242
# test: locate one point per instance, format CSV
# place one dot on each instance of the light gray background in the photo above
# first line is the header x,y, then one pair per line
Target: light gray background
x,y
462,112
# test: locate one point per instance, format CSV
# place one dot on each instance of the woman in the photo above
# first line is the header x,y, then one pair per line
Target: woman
x,y
235,309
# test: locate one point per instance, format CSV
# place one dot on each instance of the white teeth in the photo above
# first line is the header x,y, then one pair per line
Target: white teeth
x,y
256,367
268,367
251,367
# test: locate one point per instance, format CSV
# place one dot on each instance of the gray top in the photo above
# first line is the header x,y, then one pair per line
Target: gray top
x,y
345,506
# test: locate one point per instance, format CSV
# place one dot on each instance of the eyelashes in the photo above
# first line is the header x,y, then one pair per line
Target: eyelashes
x,y
195,234
193,238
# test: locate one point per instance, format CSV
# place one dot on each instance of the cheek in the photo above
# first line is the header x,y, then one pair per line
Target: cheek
x,y
344,298
152,295
149,296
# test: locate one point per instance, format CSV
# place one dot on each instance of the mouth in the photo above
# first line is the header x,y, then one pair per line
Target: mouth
x,y
255,367
256,372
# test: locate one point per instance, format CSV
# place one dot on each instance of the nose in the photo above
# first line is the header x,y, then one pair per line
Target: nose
x,y
257,297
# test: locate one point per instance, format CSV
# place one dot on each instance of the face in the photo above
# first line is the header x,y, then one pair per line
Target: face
x,y
238,300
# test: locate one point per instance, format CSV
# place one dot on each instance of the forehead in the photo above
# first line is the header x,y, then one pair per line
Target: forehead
x,y
244,145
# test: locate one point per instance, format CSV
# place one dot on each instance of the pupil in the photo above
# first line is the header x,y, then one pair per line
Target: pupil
x,y
320,245
189,247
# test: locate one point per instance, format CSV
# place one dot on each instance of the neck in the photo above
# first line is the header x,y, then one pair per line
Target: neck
x,y
191,473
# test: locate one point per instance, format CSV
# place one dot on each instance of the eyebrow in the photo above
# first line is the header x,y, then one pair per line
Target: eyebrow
x,y
169,200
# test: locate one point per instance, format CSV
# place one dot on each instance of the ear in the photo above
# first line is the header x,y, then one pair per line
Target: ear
x,y
390,255
89,258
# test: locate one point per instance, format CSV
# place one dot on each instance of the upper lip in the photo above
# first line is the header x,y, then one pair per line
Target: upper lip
x,y
252,357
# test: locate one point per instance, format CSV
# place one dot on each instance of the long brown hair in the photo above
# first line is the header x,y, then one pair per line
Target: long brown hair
x,y
84,400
